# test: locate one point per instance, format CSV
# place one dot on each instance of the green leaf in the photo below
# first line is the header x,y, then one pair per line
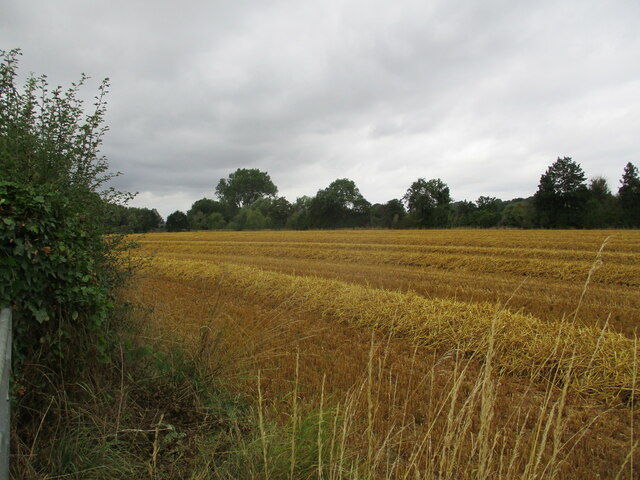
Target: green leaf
x,y
41,315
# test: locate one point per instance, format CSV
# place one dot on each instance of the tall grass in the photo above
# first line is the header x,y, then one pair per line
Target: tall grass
x,y
372,431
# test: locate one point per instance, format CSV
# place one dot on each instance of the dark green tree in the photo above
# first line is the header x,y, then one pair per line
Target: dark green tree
x,y
388,215
518,213
142,220
488,212
463,213
198,221
275,209
116,219
249,218
245,186
215,221
201,211
300,214
629,196
177,222
562,195
602,209
207,206
428,202
340,205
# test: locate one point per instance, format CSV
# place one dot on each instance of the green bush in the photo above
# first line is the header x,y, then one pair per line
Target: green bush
x,y
57,270
58,274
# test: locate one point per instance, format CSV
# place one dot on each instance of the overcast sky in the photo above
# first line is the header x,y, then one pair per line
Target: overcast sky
x,y
482,94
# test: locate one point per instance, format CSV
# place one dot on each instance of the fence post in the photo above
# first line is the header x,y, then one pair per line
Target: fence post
x,y
5,402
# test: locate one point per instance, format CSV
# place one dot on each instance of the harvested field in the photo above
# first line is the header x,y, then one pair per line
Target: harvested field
x,y
510,353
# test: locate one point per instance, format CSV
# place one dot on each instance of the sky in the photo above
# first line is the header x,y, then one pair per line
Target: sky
x,y
484,95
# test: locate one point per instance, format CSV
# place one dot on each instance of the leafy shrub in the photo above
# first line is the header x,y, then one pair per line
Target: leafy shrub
x,y
58,274
57,271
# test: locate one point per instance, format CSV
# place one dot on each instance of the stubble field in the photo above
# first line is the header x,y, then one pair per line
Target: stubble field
x,y
424,354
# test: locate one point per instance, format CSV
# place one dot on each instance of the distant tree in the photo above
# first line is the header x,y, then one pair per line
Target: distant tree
x,y
562,195
250,218
198,220
245,186
207,206
143,220
116,220
177,222
215,221
388,215
428,202
299,218
339,205
377,214
121,219
602,208
518,213
276,210
599,188
489,212
463,213
629,196
201,210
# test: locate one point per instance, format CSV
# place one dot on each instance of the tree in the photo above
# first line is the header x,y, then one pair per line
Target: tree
x,y
249,218
142,220
177,222
300,211
463,213
276,210
207,206
245,186
518,213
561,195
601,209
200,212
599,189
489,212
197,221
215,221
428,202
388,215
121,219
339,205
629,195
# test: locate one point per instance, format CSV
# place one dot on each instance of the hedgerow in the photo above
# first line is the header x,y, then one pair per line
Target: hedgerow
x,y
57,270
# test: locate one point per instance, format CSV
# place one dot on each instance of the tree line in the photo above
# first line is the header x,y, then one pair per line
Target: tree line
x,y
248,200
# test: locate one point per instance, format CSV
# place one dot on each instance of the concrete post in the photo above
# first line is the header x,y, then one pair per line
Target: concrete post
x,y
5,401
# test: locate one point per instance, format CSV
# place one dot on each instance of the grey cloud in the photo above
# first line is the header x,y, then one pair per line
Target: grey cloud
x,y
484,95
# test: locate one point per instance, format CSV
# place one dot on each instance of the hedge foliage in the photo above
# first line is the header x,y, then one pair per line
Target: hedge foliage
x,y
57,270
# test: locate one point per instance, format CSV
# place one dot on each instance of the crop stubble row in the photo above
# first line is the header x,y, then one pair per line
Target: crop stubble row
x,y
468,265
529,346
